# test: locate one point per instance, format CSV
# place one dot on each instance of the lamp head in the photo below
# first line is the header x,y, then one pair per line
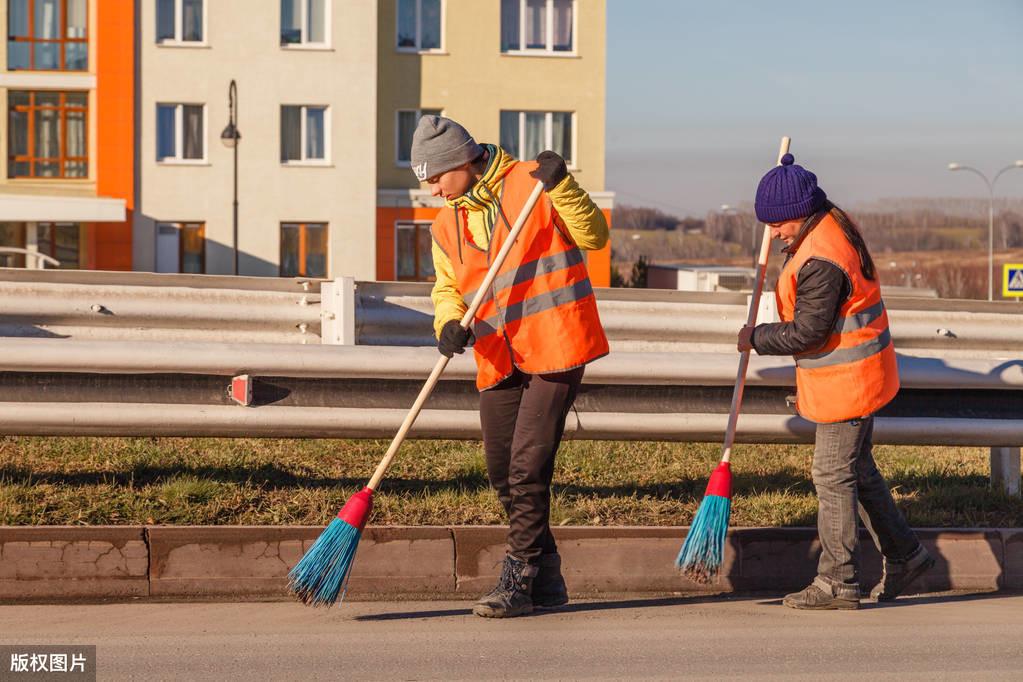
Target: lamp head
x,y
230,136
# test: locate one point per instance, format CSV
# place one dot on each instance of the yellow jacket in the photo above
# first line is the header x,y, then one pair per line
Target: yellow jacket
x,y
584,221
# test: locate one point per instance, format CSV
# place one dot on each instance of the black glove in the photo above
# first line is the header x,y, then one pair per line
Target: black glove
x,y
551,171
453,338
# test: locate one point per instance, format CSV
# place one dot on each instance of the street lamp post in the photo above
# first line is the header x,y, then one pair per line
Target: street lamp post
x,y
990,218
230,138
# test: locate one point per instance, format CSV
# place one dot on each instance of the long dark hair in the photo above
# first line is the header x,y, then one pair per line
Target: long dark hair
x,y
852,233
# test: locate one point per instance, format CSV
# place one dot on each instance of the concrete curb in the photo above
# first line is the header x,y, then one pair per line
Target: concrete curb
x,y
234,562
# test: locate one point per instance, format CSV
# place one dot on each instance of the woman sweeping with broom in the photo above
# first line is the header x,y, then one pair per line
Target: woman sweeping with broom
x,y
835,325
535,331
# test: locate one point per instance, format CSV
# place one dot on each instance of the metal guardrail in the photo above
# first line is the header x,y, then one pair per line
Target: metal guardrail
x,y
147,307
54,386
94,353
208,308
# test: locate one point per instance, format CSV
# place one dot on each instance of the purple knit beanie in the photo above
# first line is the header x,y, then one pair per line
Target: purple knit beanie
x,y
788,192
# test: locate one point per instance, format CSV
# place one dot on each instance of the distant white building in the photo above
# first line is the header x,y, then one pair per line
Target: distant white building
x,y
700,277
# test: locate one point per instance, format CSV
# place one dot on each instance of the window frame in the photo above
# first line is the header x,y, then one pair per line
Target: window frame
x,y
178,226
62,108
417,225
303,226
179,135
442,49
181,244
304,44
179,18
548,124
398,162
62,41
549,50
54,225
303,133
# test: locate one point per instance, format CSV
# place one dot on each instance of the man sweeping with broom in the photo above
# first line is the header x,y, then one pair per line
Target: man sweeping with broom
x,y
532,336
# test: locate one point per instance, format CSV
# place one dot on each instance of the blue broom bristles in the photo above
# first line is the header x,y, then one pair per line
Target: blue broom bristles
x,y
703,550
322,574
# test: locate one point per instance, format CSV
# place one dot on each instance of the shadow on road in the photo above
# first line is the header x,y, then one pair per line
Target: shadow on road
x,y
577,607
920,599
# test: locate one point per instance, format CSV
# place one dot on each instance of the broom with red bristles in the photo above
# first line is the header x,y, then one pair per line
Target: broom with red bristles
x,y
321,576
703,551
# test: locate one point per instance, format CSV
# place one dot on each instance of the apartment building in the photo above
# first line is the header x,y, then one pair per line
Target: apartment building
x,y
526,74
66,170
272,138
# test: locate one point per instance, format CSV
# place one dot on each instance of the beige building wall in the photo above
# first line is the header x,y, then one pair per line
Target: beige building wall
x,y
243,43
472,81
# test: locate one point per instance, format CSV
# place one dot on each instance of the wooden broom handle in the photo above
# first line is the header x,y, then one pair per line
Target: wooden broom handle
x,y
442,361
751,319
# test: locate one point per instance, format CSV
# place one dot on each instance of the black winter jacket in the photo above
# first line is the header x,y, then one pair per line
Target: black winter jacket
x,y
821,289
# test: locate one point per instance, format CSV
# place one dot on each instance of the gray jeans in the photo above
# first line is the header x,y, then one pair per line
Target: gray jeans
x,y
847,478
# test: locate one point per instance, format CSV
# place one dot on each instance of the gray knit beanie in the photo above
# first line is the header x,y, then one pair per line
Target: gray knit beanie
x,y
439,144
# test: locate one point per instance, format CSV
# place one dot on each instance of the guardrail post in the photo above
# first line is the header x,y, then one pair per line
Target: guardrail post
x,y
337,310
1005,470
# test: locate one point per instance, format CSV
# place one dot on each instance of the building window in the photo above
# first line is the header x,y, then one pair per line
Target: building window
x,y
419,25
406,124
413,252
61,241
180,21
180,133
545,26
527,133
12,236
304,135
47,134
305,22
303,249
47,35
181,247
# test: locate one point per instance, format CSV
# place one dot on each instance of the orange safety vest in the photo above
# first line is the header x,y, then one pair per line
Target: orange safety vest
x,y
854,374
540,314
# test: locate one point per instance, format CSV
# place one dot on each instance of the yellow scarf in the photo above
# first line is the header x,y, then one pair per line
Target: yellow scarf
x,y
484,195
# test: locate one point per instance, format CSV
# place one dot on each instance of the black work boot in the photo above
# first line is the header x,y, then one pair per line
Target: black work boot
x,y
513,594
897,575
549,588
820,596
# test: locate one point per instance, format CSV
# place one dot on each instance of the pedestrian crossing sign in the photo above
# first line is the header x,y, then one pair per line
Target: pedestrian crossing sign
x,y
1012,280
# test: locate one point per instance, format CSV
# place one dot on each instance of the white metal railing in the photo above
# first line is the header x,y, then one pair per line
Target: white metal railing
x,y
130,325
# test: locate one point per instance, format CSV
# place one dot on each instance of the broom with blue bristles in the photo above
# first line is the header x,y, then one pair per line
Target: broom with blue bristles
x,y
321,576
703,551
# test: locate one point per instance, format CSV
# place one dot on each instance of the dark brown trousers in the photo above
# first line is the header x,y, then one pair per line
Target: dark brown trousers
x,y
523,419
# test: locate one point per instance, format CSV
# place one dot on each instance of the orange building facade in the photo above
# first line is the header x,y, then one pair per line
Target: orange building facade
x,y
67,181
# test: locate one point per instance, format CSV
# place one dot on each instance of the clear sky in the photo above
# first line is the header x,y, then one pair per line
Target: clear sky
x,y
878,97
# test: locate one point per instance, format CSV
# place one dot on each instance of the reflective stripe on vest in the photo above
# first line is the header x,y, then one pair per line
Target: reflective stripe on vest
x,y
841,356
536,304
528,271
859,320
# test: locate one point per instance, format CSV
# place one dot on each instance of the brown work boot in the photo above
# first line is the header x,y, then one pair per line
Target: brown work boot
x,y
820,596
549,590
513,594
898,575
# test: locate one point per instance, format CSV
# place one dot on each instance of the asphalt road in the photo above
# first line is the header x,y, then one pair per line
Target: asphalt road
x,y
931,637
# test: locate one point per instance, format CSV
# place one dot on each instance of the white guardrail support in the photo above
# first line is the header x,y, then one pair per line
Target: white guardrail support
x,y
337,311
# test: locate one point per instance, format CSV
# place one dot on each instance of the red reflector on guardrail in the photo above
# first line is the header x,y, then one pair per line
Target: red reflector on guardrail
x,y
241,390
